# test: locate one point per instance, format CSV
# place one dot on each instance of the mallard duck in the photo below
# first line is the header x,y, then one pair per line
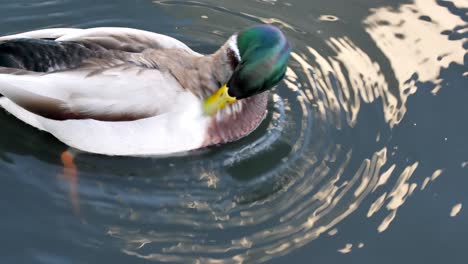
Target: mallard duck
x,y
122,91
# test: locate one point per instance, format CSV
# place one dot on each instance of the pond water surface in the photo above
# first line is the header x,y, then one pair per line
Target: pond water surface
x,y
363,157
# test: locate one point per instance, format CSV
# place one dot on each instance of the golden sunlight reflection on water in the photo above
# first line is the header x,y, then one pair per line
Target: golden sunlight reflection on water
x,y
411,43
455,210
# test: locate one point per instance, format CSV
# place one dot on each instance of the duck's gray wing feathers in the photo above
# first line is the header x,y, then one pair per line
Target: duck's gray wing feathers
x,y
51,33
60,49
80,74
125,39
114,38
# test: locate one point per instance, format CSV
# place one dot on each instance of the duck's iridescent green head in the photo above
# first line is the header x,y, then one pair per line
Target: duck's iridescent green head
x,y
264,52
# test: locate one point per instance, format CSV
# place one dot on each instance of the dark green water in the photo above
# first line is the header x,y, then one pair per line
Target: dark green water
x,y
363,157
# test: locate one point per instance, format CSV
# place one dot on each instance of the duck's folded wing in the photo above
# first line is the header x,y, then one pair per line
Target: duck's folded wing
x,y
74,74
112,38
52,33
119,92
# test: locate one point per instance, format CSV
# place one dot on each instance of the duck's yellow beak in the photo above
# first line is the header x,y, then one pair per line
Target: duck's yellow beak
x,y
217,101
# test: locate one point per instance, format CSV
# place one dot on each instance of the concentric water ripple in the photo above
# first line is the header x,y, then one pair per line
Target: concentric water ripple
x,y
324,151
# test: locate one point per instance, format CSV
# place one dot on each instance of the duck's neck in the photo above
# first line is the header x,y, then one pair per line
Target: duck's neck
x,y
216,69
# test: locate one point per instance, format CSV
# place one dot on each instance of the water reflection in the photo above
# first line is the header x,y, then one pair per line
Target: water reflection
x,y
416,41
455,210
328,18
348,247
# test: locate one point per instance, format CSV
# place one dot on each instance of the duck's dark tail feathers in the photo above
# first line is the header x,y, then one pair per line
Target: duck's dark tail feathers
x,y
43,55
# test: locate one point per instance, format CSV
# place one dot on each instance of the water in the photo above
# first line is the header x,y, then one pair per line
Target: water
x,y
363,157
